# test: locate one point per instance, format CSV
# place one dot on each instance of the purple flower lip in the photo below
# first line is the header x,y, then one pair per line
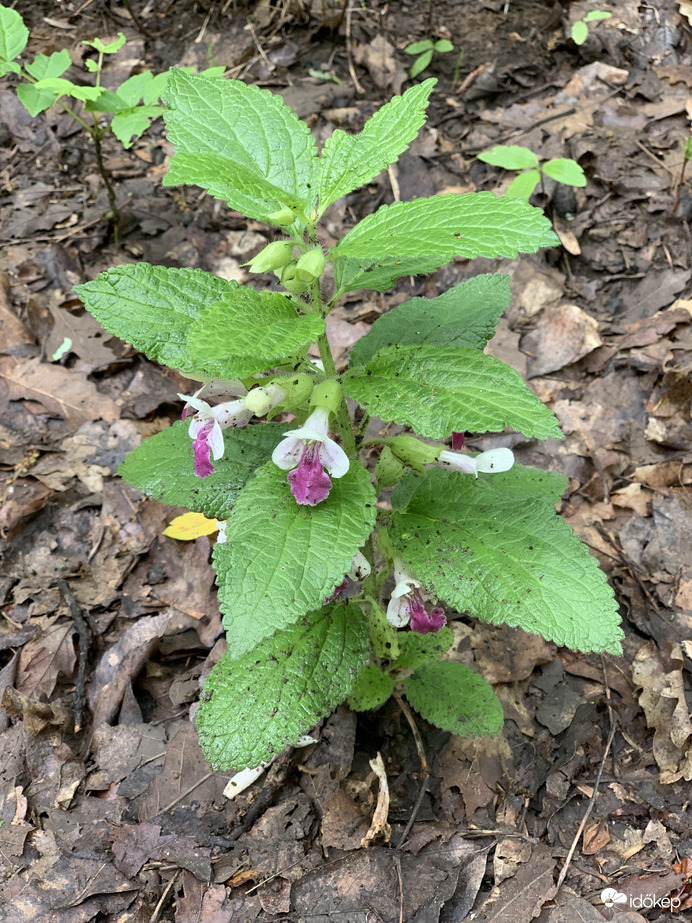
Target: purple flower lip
x,y
407,604
310,483
305,453
206,428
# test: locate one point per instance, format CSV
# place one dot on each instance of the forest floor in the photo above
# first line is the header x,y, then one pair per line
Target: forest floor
x,y
121,819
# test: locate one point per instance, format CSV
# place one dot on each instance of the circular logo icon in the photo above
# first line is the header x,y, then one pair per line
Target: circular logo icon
x,y
611,897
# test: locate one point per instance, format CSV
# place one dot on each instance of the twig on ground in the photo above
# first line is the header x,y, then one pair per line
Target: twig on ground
x,y
349,56
589,808
424,767
84,633
162,900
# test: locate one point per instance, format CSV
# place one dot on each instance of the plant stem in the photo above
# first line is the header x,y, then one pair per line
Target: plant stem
x,y
112,200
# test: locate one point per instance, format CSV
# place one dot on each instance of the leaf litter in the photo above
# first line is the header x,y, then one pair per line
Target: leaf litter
x,y
123,820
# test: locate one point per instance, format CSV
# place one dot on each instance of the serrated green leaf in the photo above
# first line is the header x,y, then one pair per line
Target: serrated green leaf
x,y
380,274
281,559
372,689
437,390
417,649
522,186
510,157
249,332
596,15
439,228
506,561
580,32
421,63
131,124
35,101
163,467
242,144
54,65
419,47
254,707
13,34
565,170
384,636
152,307
455,698
350,161
465,315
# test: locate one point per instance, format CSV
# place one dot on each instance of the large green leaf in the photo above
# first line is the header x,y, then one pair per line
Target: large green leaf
x,y
372,689
254,707
506,561
470,225
152,307
350,161
437,390
464,316
13,34
249,332
452,697
241,144
281,559
163,467
382,273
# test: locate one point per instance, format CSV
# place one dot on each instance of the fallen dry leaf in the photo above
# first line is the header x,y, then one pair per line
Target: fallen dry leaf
x,y
379,823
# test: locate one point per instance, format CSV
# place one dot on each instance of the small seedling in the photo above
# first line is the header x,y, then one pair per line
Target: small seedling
x,y
425,51
296,510
580,29
512,157
132,106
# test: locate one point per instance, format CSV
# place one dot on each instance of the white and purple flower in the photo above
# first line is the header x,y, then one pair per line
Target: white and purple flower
x,y
206,428
305,453
407,604
491,462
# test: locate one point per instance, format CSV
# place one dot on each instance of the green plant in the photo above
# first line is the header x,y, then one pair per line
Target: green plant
x,y
512,157
297,510
133,105
580,29
425,50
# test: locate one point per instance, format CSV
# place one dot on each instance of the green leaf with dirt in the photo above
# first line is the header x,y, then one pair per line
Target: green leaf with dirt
x,y
437,390
513,562
254,707
454,698
281,559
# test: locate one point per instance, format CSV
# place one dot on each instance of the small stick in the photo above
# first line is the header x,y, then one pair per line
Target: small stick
x,y
349,56
159,907
589,809
424,767
84,632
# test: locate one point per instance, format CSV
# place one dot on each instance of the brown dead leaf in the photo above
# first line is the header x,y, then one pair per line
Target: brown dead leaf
x,y
13,333
46,657
510,853
202,903
659,675
379,823
523,896
87,338
564,334
379,59
596,836
62,392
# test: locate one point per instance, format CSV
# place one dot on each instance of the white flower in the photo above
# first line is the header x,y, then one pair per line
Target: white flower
x,y
487,462
206,428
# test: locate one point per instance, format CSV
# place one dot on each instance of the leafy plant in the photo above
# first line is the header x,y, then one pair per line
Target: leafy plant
x,y
425,51
513,157
133,105
298,513
580,29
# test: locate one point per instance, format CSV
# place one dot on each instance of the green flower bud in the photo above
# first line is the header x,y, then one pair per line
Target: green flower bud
x,y
298,389
327,394
388,470
283,217
274,256
310,266
260,400
413,453
294,285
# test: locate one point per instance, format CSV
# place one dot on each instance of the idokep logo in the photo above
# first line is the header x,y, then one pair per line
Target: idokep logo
x,y
613,898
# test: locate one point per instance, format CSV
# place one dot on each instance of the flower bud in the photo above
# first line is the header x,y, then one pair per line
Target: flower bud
x,y
274,256
413,452
297,388
284,217
328,395
295,286
310,266
260,400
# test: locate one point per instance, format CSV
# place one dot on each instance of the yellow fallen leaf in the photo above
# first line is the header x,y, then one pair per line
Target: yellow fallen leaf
x,y
189,526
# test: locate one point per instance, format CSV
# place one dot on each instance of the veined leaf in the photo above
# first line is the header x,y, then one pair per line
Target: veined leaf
x,y
54,65
437,390
455,698
510,157
281,559
470,225
372,689
134,122
254,707
13,34
506,561
232,129
162,467
464,316
381,274
152,307
419,649
35,101
350,161
249,332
